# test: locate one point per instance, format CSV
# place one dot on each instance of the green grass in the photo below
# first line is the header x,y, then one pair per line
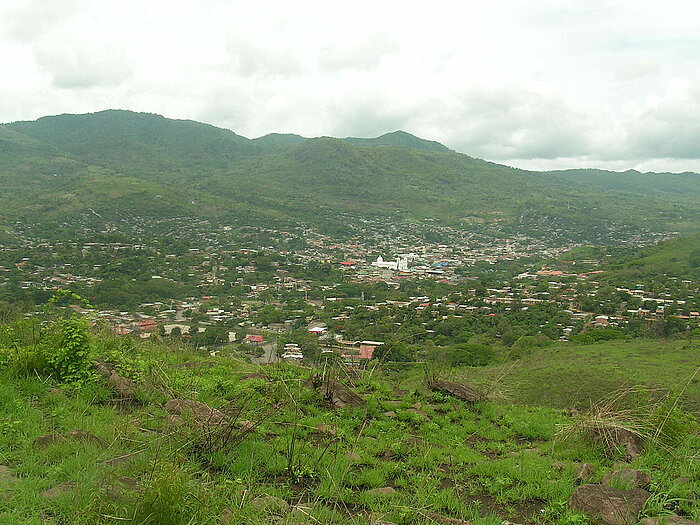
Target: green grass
x,y
573,376
483,463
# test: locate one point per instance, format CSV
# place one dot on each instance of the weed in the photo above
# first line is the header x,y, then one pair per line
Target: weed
x,y
166,498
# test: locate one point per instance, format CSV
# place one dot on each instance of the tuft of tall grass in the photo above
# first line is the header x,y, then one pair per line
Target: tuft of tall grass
x,y
633,415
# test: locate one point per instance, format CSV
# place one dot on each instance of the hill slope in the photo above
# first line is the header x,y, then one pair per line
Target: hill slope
x,y
571,376
288,176
148,433
677,258
138,142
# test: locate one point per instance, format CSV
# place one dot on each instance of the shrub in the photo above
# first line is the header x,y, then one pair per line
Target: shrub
x,y
69,357
165,499
471,354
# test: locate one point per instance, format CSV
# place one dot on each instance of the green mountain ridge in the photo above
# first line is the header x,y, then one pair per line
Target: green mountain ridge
x,y
121,160
399,138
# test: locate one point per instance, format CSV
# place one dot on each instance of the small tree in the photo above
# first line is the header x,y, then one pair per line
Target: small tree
x,y
69,358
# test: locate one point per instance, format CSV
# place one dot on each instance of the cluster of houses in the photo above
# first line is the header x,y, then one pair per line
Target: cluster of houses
x,y
378,251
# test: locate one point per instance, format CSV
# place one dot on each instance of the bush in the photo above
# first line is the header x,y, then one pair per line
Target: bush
x,y
61,350
597,334
165,500
471,354
69,357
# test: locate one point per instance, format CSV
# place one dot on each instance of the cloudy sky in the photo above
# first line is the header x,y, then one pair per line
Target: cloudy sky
x,y
538,84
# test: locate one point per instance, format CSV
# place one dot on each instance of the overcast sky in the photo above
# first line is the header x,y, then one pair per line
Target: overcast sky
x,y
538,84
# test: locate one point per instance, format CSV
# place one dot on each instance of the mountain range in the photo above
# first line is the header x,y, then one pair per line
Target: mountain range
x,y
115,162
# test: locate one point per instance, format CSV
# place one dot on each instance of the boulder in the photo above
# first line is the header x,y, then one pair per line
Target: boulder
x,y
585,473
188,410
340,395
615,439
382,491
613,506
628,477
463,392
121,385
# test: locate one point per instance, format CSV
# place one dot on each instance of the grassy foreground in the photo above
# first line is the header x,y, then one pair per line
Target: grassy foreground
x,y
75,452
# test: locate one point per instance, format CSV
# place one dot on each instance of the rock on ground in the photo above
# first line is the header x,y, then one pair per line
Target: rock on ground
x,y
613,506
121,488
199,413
628,477
353,456
340,395
58,490
382,491
7,479
75,435
615,438
463,392
585,473
669,520
271,504
445,519
121,385
226,517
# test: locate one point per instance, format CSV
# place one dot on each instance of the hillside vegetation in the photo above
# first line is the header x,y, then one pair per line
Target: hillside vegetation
x,y
675,258
572,376
98,429
61,160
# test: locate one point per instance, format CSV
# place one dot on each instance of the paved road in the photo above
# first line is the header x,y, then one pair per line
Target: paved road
x,y
269,355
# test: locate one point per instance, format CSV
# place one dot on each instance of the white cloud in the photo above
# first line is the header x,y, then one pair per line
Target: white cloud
x,y
536,83
80,64
251,54
669,125
363,54
30,19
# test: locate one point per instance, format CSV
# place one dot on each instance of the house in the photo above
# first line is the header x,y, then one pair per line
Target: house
x,y
254,339
367,349
601,321
148,325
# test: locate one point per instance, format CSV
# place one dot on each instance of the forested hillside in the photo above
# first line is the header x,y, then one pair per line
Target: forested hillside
x,y
117,162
